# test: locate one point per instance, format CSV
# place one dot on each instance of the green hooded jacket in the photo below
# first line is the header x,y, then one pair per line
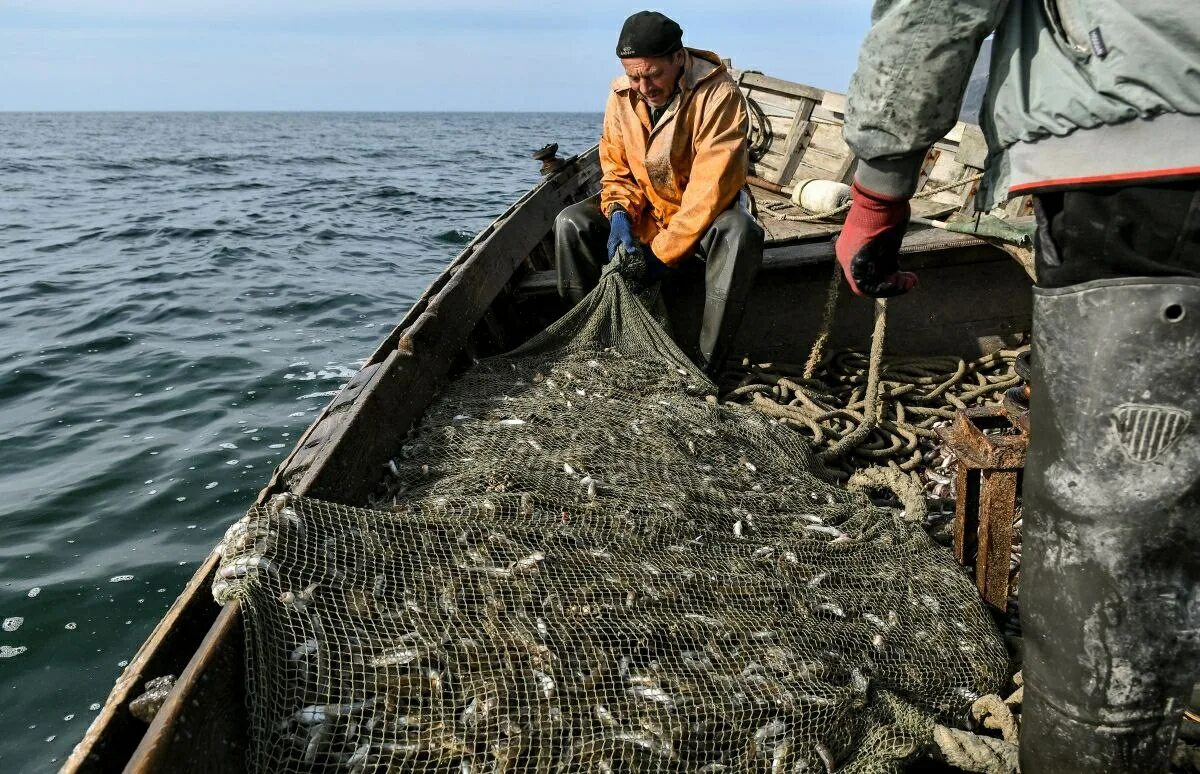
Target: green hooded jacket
x,y
1080,91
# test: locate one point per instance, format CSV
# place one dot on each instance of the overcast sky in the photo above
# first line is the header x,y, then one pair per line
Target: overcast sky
x,y
377,55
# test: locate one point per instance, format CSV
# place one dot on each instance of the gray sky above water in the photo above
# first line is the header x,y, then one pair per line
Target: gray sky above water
x,y
381,55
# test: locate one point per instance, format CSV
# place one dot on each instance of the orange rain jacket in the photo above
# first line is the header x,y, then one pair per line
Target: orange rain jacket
x,y
675,179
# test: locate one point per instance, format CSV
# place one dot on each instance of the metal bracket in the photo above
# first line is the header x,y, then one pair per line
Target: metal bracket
x,y
990,448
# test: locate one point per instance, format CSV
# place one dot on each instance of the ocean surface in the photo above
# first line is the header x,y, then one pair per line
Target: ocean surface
x,y
180,294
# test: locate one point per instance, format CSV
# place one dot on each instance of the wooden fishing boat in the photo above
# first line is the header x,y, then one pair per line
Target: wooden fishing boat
x,y
499,291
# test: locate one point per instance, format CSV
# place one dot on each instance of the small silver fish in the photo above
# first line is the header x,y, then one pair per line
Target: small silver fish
x,y
545,683
528,564
830,607
826,757
606,717
396,657
306,648
772,729
652,693
872,618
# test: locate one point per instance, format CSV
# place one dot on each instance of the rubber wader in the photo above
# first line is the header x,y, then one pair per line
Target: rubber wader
x,y
1110,588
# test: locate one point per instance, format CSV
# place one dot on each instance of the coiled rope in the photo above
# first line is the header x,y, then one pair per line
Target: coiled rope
x,y
865,410
760,135
986,754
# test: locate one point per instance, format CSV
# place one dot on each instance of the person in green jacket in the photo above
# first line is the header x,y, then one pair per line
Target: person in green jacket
x,y
1093,107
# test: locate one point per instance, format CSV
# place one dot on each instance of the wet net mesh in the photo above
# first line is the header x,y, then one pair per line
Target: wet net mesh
x,y
581,562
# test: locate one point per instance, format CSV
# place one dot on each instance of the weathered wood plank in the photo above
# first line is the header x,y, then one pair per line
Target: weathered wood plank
x,y
773,105
823,159
773,158
925,242
828,137
811,171
797,142
931,158
114,733
825,116
972,148
845,172
780,86
780,126
835,103
767,166
198,728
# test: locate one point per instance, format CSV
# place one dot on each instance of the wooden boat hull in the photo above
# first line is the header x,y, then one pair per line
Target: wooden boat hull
x,y
496,293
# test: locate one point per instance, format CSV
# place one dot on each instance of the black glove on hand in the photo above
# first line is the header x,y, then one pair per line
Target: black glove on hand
x,y
639,265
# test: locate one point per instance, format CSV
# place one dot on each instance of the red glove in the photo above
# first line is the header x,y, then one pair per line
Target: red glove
x,y
869,245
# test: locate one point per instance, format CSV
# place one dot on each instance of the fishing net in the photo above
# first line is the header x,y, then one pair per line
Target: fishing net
x,y
582,562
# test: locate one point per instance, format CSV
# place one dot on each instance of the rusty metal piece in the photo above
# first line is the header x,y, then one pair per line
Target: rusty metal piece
x,y
990,447
548,155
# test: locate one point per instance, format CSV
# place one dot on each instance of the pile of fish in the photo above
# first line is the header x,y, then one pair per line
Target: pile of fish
x,y
580,560
441,640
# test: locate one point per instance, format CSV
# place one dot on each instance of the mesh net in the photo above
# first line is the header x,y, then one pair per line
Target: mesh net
x,y
581,562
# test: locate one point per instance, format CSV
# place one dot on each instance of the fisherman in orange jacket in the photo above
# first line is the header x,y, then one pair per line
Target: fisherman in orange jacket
x,y
674,156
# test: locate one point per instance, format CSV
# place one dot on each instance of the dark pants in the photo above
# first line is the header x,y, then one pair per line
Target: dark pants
x,y
1110,587
730,251
1133,231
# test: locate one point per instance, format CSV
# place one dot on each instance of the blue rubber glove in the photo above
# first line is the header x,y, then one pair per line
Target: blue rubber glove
x,y
620,232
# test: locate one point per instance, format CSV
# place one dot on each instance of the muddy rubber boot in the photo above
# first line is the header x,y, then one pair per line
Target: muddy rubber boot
x,y
580,233
1110,587
732,251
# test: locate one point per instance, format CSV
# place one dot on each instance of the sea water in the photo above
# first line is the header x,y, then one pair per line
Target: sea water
x,y
180,295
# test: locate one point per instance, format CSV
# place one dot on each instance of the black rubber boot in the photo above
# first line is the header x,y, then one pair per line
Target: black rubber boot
x,y
732,251
1110,587
580,249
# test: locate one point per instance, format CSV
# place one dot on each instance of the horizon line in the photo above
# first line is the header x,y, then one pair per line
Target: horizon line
x,y
273,110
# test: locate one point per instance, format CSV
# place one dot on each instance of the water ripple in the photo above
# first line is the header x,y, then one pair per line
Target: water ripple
x,y
182,294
